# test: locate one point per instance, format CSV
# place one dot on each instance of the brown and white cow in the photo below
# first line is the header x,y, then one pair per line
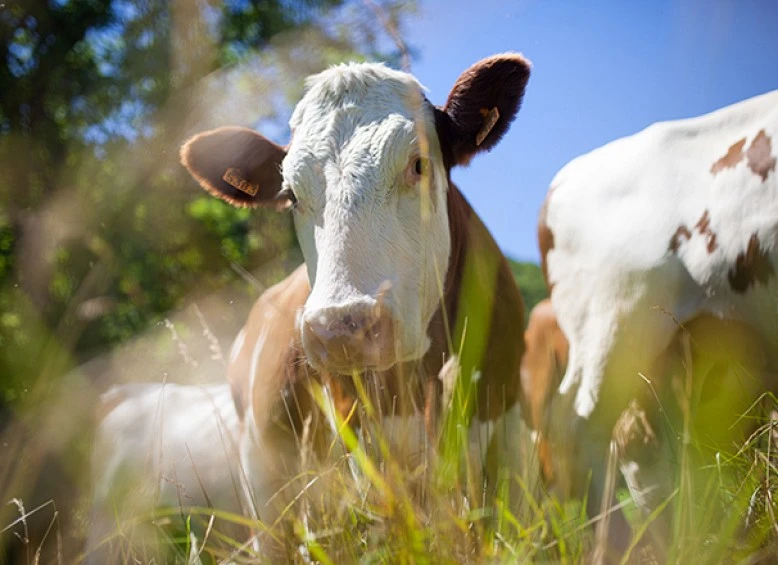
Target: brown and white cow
x,y
646,233
398,267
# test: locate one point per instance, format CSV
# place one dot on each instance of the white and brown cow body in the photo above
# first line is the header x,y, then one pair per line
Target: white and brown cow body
x,y
725,360
649,232
398,267
161,445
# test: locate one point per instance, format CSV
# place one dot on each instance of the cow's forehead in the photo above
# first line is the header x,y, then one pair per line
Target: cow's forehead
x,y
364,92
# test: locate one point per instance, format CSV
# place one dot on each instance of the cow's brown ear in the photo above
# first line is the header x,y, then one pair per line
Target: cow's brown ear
x,y
481,106
237,165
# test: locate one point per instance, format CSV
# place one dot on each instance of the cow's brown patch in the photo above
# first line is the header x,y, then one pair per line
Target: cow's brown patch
x,y
733,157
474,251
758,154
712,245
703,226
542,368
545,240
681,233
751,266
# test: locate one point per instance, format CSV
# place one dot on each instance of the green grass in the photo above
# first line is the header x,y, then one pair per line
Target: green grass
x,y
433,509
395,513
382,520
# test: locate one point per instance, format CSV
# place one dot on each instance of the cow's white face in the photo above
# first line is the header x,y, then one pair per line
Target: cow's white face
x,y
369,186
367,174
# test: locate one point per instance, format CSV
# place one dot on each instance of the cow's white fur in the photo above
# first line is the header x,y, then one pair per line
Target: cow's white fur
x,y
618,289
359,221
164,445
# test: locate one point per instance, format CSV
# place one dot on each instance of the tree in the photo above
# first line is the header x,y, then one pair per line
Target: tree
x,y
531,283
97,96
101,232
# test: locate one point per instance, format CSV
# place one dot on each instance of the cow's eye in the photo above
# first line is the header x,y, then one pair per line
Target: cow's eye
x,y
417,168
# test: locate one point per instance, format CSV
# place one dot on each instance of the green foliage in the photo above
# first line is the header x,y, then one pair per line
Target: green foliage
x,y
6,250
101,231
246,26
531,283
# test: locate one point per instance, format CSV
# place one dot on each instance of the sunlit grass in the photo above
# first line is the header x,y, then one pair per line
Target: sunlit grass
x,y
723,512
365,502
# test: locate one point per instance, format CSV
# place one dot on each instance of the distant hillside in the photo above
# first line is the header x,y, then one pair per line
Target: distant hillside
x,y
530,280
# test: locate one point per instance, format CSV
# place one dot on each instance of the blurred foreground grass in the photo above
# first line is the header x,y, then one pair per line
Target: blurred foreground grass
x,y
362,505
46,441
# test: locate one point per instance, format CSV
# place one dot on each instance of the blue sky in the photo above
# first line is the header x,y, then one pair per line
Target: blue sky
x,y
601,70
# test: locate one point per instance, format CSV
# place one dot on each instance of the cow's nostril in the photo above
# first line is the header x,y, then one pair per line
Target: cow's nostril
x,y
374,331
353,326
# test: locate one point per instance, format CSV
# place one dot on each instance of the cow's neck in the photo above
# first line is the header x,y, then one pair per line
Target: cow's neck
x,y
482,301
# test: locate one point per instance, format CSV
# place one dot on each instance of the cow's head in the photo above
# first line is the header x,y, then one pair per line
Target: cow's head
x,y
366,175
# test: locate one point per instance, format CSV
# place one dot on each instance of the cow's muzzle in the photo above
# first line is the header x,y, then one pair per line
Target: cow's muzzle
x,y
351,337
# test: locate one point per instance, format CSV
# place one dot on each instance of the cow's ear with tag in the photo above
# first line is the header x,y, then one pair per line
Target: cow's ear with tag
x,y
481,106
237,165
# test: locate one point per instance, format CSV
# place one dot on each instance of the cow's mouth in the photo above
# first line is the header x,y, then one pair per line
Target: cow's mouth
x,y
378,352
345,355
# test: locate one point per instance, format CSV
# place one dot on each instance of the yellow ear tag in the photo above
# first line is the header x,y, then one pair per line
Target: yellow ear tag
x,y
233,177
490,118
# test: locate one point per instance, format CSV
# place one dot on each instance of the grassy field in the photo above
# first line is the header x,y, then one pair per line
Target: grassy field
x,y
368,507
364,504
379,510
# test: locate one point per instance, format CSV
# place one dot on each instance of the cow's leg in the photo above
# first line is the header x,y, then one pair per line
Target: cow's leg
x,y
640,446
98,548
499,450
278,453
646,461
612,346
511,457
271,460
715,367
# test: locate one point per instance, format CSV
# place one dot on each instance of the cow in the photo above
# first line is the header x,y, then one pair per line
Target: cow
x,y
398,267
542,367
643,235
161,445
